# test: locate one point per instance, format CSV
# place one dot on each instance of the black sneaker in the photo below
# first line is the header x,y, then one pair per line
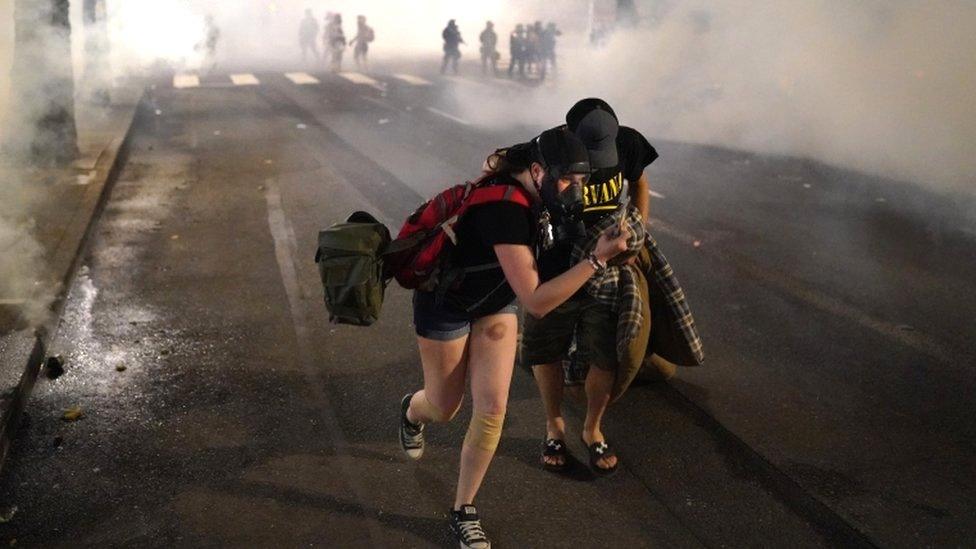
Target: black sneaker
x,y
466,527
411,435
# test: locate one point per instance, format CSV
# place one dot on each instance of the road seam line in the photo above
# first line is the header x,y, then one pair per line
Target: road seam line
x,y
449,116
914,340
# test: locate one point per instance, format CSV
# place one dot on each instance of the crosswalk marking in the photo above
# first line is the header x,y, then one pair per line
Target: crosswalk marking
x,y
411,79
186,81
246,79
360,78
301,78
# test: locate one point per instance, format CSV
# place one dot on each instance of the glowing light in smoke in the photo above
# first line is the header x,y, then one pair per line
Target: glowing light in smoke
x,y
166,29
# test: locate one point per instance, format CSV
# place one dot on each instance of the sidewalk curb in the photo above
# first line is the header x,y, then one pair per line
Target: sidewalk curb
x,y
69,252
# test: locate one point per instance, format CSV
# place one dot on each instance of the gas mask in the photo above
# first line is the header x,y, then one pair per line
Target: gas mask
x,y
565,210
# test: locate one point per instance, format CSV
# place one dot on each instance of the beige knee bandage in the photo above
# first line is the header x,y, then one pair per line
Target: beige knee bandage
x,y
484,431
425,408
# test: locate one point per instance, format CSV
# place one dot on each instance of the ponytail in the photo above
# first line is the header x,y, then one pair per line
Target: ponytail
x,y
511,160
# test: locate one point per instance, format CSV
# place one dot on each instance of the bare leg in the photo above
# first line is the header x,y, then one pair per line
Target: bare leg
x,y
445,367
491,362
599,383
549,378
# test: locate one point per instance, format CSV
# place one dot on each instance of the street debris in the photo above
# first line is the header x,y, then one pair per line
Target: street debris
x,y
384,121
121,367
174,237
159,112
54,366
164,352
807,185
73,414
696,243
85,178
268,161
301,126
7,513
216,132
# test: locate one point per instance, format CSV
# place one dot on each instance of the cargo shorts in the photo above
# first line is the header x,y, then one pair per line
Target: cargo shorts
x,y
547,340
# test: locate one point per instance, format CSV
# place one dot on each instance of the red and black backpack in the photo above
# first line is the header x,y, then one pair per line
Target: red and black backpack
x,y
419,254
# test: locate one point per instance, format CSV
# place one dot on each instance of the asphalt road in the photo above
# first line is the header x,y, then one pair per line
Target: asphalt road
x,y
221,408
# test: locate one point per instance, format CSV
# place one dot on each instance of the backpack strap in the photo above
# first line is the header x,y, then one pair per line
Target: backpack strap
x,y
498,193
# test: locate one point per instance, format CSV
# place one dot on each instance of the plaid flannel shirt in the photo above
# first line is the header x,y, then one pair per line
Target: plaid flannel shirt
x,y
616,285
661,273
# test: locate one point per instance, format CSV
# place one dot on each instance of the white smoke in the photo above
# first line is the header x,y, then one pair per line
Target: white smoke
x,y
23,286
881,86
6,58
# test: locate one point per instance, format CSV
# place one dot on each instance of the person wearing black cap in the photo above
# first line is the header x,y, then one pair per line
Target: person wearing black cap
x,y
469,330
618,155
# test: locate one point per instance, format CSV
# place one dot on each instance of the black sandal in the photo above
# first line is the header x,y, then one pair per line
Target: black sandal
x,y
554,448
601,450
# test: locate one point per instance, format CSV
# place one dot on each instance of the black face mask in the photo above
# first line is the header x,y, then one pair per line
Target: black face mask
x,y
565,209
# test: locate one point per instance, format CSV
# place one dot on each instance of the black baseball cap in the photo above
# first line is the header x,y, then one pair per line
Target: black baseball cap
x,y
562,153
584,107
595,123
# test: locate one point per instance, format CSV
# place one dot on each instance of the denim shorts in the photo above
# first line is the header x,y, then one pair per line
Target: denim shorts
x,y
444,324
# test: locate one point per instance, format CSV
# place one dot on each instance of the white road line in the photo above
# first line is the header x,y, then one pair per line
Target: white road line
x,y
413,80
301,78
186,81
449,116
656,195
286,252
360,78
245,79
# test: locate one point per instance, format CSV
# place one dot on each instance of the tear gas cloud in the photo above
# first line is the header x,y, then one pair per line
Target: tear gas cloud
x,y
23,288
881,86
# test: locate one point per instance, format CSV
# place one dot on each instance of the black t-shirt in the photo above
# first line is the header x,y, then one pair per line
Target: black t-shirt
x,y
601,195
479,230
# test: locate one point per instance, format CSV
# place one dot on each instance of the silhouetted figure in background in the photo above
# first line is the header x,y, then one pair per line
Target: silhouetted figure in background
x,y
533,44
335,41
547,54
364,35
452,42
489,51
211,39
517,51
308,34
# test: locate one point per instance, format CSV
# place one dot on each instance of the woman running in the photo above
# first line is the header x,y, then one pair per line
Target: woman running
x,y
469,331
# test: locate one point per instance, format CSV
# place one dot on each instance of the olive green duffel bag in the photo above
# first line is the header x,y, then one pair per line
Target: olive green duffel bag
x,y
350,260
